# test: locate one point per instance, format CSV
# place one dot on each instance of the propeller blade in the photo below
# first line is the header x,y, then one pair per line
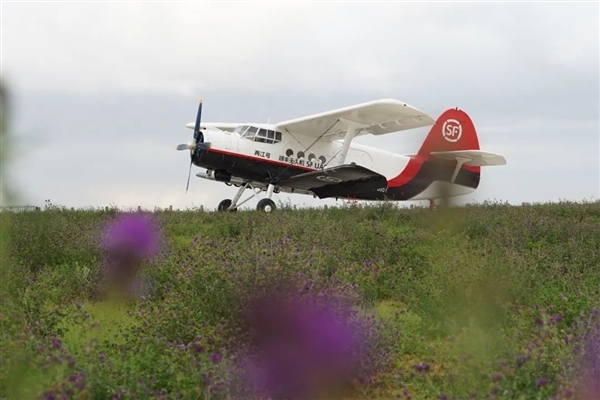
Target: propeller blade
x,y
188,180
194,145
198,118
185,146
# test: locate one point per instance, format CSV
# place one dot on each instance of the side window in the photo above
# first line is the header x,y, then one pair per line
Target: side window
x,y
244,131
261,136
278,136
250,132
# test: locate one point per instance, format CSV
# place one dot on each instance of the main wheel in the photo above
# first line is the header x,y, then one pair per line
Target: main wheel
x,y
266,205
224,205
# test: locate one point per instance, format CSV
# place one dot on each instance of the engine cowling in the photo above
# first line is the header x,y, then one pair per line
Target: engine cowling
x,y
222,176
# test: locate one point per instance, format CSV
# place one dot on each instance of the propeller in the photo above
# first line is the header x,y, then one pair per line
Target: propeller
x,y
196,144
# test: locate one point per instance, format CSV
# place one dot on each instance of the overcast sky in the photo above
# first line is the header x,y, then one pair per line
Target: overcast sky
x,y
102,91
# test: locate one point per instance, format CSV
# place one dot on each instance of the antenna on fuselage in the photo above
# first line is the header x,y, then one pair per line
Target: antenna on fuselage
x,y
268,120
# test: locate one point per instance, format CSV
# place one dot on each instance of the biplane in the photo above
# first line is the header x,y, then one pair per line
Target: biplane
x,y
314,155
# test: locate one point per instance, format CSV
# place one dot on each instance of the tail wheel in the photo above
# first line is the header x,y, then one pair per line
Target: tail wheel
x,y
266,205
432,205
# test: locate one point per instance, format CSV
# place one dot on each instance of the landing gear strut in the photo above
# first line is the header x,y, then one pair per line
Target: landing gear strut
x,y
432,205
265,205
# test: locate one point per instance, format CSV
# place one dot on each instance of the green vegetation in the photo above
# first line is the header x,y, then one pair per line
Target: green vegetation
x,y
491,300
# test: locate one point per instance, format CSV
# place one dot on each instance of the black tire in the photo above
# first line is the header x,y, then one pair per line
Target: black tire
x,y
224,205
266,205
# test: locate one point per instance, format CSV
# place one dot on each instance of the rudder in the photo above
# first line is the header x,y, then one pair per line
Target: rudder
x,y
453,130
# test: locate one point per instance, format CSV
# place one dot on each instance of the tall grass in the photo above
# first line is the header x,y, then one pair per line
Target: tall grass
x,y
485,300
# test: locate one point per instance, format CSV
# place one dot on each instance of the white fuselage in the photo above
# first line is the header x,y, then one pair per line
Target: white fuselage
x,y
308,152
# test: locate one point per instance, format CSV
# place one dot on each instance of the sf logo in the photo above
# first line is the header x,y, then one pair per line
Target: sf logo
x,y
452,130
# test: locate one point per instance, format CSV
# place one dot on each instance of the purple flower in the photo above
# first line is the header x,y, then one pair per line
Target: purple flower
x,y
422,367
128,240
304,345
555,319
198,348
497,377
541,381
216,358
132,232
589,374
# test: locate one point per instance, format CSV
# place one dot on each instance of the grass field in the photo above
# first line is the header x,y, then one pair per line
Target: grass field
x,y
486,301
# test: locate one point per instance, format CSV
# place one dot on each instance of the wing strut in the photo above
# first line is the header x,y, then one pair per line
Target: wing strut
x,y
353,128
306,150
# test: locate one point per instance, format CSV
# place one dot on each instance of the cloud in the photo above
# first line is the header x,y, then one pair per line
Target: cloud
x,y
186,48
104,90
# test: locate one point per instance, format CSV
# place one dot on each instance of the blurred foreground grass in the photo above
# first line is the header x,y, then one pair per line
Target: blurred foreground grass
x,y
487,300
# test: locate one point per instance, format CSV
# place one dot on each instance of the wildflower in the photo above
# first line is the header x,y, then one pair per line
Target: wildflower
x,y
216,358
541,381
133,232
422,367
305,345
589,374
521,358
129,240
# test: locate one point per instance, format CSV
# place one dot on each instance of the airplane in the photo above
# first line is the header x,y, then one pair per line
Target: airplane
x,y
314,155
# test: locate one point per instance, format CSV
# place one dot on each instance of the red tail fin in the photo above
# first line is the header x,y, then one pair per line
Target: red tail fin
x,y
453,130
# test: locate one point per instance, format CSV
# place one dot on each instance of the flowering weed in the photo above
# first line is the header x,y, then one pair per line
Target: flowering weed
x,y
490,301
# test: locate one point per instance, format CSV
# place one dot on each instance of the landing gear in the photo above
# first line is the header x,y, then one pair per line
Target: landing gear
x,y
265,205
224,205
432,205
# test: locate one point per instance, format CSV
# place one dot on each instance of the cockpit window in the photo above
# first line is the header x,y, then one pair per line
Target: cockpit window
x,y
262,135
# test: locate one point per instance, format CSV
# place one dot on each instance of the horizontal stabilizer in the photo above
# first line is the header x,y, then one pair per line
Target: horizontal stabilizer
x,y
476,158
341,175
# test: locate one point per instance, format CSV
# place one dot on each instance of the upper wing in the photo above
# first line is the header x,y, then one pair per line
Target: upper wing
x,y
224,126
337,181
378,117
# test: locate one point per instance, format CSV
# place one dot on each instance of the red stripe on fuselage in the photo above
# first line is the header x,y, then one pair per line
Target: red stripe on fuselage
x,y
260,159
408,173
